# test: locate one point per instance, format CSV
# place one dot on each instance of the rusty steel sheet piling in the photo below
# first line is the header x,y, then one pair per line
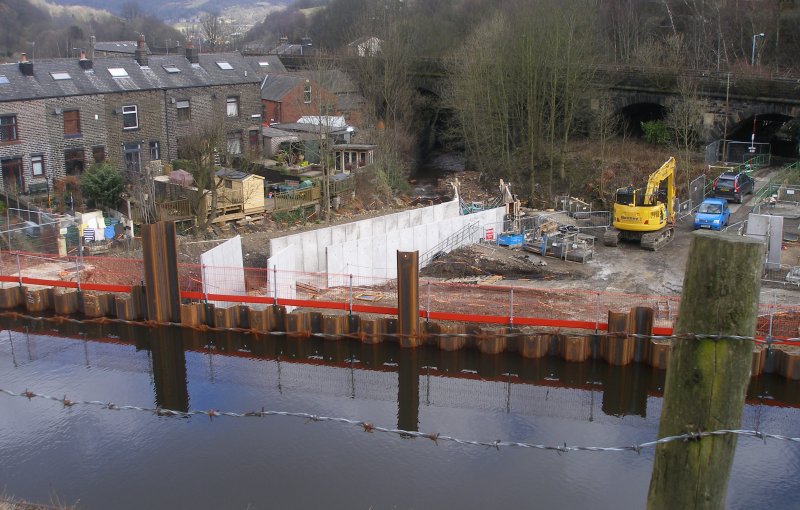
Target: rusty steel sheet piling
x,y
226,317
160,252
617,348
298,324
333,326
574,348
492,341
759,360
455,342
640,322
372,331
98,305
65,303
535,346
193,314
11,297
788,364
408,298
38,300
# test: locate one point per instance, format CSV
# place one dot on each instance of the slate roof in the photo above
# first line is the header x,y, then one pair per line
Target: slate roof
x,y
273,64
234,175
98,80
275,132
348,97
128,47
276,86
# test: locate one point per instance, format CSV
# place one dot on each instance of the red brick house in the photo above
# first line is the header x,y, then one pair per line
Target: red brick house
x,y
285,98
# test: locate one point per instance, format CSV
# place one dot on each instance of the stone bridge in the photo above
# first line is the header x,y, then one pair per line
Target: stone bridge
x,y
734,105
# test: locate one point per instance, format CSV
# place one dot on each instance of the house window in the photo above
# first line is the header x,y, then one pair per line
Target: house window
x,y
155,151
12,175
307,93
37,165
232,104
184,111
234,143
8,128
99,154
73,161
133,161
130,117
228,184
72,123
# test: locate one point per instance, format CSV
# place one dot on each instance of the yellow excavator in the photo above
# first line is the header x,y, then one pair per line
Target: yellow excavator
x,y
645,215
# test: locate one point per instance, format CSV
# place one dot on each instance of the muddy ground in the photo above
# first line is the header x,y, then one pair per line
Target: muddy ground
x,y
626,268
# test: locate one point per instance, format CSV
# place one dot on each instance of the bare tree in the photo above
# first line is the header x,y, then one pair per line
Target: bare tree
x,y
684,118
215,30
203,149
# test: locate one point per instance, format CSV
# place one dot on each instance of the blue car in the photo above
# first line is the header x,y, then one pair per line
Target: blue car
x,y
713,213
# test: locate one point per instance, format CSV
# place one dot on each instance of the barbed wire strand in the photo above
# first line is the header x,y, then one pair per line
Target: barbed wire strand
x,y
59,319
409,434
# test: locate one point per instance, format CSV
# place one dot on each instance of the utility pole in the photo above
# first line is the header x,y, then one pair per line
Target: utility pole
x,y
707,378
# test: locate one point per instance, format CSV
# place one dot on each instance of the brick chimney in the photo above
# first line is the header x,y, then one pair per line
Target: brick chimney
x,y
92,41
25,67
191,53
141,52
84,62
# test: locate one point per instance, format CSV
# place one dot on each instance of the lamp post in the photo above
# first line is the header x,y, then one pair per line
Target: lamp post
x,y
753,52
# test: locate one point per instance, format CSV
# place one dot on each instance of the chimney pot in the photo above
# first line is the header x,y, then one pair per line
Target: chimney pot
x,y
25,67
191,53
141,52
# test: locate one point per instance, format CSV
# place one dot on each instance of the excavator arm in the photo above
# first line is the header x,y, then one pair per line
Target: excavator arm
x,y
666,172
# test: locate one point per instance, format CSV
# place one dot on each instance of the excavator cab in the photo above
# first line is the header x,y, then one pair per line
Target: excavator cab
x,y
629,196
645,215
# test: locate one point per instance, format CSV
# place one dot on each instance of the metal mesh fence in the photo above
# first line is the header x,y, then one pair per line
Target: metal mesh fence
x,y
509,305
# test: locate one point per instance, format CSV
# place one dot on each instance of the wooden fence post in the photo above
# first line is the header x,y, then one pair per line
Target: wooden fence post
x,y
707,378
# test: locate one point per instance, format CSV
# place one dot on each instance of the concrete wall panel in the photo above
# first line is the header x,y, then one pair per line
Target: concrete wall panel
x,y
379,226
403,220
379,257
223,270
391,224
336,261
308,252
415,217
324,238
368,247
338,234
365,249
284,260
351,231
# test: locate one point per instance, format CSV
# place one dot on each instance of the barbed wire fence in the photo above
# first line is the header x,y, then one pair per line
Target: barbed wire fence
x,y
408,434
395,336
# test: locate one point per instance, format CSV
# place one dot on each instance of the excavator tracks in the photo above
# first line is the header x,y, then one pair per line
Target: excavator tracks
x,y
611,237
654,240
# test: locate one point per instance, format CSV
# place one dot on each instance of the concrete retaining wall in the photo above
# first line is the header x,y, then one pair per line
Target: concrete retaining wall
x,y
369,247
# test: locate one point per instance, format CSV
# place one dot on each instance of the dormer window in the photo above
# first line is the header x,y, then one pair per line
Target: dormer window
x,y
61,76
118,72
225,66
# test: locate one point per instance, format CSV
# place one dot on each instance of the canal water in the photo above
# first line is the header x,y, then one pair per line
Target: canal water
x,y
128,459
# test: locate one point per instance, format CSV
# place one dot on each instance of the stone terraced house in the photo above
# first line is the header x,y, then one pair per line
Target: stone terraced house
x,y
59,116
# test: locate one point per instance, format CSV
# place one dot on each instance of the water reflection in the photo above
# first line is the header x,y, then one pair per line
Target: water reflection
x,y
169,369
623,391
96,455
